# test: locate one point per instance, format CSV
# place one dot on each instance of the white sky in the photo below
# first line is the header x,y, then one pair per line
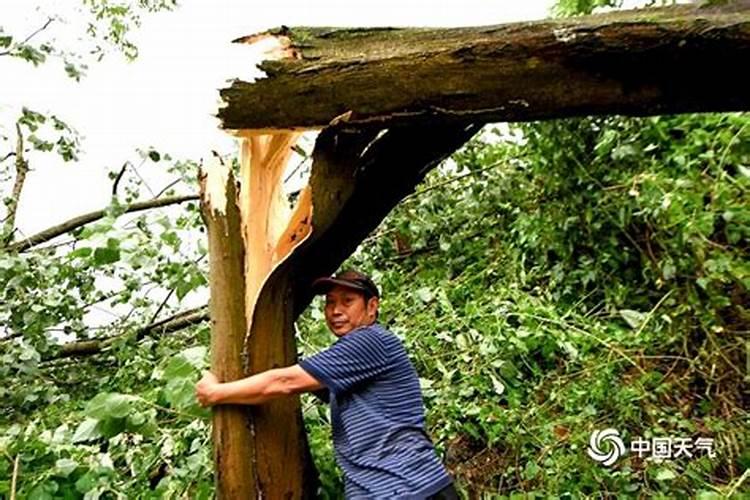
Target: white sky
x,y
167,97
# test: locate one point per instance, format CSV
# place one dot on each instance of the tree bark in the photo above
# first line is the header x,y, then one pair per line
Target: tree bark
x,y
686,58
232,435
22,168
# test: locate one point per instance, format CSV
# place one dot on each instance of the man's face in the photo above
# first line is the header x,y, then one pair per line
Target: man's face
x,y
346,310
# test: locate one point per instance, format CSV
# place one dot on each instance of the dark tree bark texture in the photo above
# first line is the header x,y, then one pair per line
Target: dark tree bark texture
x,y
686,58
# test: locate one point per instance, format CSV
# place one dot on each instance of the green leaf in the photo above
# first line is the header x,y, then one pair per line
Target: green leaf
x,y
43,491
180,393
30,54
64,466
106,256
531,470
86,431
87,482
80,252
424,294
633,318
707,495
665,474
624,151
110,405
110,427
5,41
196,356
178,367
497,385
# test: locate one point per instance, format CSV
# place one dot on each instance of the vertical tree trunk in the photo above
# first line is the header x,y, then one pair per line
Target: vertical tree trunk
x,y
271,230
232,437
260,451
357,178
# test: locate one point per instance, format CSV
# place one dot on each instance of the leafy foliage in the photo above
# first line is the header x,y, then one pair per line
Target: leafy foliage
x,y
551,279
585,274
108,26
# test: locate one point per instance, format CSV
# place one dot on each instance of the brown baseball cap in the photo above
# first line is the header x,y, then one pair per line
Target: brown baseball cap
x,y
350,279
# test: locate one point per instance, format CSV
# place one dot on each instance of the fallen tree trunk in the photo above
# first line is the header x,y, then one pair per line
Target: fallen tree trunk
x,y
81,220
685,58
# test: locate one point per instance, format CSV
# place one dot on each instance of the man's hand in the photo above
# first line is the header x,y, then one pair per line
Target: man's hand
x,y
205,389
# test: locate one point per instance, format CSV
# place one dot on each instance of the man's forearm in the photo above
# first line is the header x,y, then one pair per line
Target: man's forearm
x,y
255,389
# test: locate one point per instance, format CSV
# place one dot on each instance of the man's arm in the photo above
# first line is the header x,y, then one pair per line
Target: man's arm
x,y
256,389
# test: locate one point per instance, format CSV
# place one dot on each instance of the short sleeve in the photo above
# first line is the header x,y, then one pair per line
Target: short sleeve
x,y
357,357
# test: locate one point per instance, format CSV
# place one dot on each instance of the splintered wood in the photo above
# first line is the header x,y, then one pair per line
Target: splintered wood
x,y
270,228
252,229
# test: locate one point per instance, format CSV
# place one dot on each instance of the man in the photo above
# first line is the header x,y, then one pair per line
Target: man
x,y
377,411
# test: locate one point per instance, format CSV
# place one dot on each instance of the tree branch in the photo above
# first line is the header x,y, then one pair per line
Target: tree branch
x,y
117,179
55,231
171,324
28,38
12,153
22,167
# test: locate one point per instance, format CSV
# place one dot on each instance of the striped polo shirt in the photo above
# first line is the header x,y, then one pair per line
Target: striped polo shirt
x,y
377,417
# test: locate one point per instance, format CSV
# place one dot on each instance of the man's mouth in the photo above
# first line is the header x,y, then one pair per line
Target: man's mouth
x,y
338,324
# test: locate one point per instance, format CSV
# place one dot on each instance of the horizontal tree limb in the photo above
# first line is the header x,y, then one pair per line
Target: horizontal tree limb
x,y
171,324
685,58
81,220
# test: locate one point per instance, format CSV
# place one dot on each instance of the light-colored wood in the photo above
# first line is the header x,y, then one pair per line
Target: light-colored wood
x,y
268,222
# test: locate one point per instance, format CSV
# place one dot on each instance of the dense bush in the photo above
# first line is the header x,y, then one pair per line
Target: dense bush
x,y
552,279
574,275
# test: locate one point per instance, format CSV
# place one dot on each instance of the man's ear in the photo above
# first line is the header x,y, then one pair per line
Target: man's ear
x,y
372,306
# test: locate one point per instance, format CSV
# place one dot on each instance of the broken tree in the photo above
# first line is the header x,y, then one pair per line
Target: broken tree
x,y
391,104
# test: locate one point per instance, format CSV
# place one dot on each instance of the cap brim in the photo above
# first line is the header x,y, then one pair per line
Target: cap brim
x,y
323,285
